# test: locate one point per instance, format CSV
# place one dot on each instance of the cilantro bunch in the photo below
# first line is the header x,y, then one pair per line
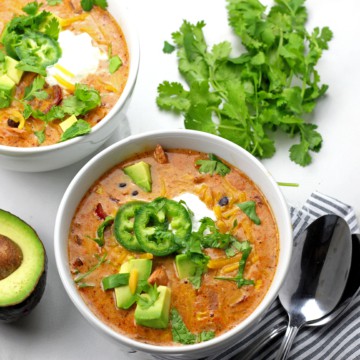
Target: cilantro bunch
x,y
271,86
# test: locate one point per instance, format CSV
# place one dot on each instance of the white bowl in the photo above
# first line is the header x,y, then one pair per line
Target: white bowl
x,y
56,156
185,139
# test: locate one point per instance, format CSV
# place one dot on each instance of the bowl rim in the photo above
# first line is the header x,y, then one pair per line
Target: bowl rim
x,y
133,42
253,318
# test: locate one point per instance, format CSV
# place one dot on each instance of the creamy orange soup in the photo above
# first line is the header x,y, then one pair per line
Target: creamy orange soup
x,y
105,34
217,305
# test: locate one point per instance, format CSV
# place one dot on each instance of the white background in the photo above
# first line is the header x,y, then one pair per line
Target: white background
x,y
55,329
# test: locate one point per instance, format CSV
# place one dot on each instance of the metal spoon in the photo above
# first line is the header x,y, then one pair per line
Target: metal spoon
x,y
352,289
317,276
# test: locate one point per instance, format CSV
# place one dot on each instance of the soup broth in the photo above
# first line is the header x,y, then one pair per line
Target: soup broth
x,y
215,304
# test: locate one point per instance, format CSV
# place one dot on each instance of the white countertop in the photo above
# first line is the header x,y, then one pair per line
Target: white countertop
x,y
55,329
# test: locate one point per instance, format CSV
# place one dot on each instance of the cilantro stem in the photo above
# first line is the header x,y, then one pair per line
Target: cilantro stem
x,y
287,184
84,275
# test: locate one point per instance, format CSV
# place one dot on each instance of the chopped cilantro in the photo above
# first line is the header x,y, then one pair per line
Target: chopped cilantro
x,y
213,166
249,208
36,89
87,5
114,63
52,28
182,335
239,278
147,299
32,8
79,128
272,85
40,135
101,260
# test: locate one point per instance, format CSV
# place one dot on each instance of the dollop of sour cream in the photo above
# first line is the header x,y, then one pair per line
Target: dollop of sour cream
x,y
79,59
198,207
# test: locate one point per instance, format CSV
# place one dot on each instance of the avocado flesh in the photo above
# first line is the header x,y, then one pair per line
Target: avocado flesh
x,y
184,266
12,72
157,315
140,174
124,298
25,285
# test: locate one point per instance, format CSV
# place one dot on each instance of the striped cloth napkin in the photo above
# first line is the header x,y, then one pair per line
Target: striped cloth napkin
x,y
338,340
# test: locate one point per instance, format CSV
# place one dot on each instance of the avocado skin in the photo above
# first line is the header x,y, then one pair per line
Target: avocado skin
x,y
13,313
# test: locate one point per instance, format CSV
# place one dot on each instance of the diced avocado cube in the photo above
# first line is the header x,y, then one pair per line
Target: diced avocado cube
x,y
140,174
124,298
68,122
6,87
2,68
157,315
12,72
6,83
184,266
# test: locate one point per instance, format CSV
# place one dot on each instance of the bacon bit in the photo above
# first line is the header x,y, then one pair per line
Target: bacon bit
x,y
57,94
159,155
78,262
78,240
99,211
159,277
198,179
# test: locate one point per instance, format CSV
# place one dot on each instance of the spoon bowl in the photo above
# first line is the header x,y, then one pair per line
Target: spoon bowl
x,y
317,276
352,289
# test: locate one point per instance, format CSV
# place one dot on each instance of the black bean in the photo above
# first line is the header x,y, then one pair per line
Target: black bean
x,y
122,184
224,201
134,193
12,123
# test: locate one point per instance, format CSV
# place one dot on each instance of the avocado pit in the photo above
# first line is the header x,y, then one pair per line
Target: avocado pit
x,y
23,268
11,256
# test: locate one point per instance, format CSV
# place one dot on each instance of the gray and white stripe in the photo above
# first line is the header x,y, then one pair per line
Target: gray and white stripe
x,y
338,340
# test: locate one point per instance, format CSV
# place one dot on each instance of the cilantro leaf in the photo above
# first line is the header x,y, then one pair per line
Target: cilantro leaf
x,y
114,64
150,296
168,48
249,208
36,89
32,8
101,3
87,5
52,28
84,99
181,333
172,96
5,99
79,128
245,248
40,135
213,166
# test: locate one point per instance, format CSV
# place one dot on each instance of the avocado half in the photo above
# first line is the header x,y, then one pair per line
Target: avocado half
x,y
23,268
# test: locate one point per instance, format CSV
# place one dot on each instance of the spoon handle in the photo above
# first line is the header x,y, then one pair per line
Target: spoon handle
x,y
288,340
255,347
